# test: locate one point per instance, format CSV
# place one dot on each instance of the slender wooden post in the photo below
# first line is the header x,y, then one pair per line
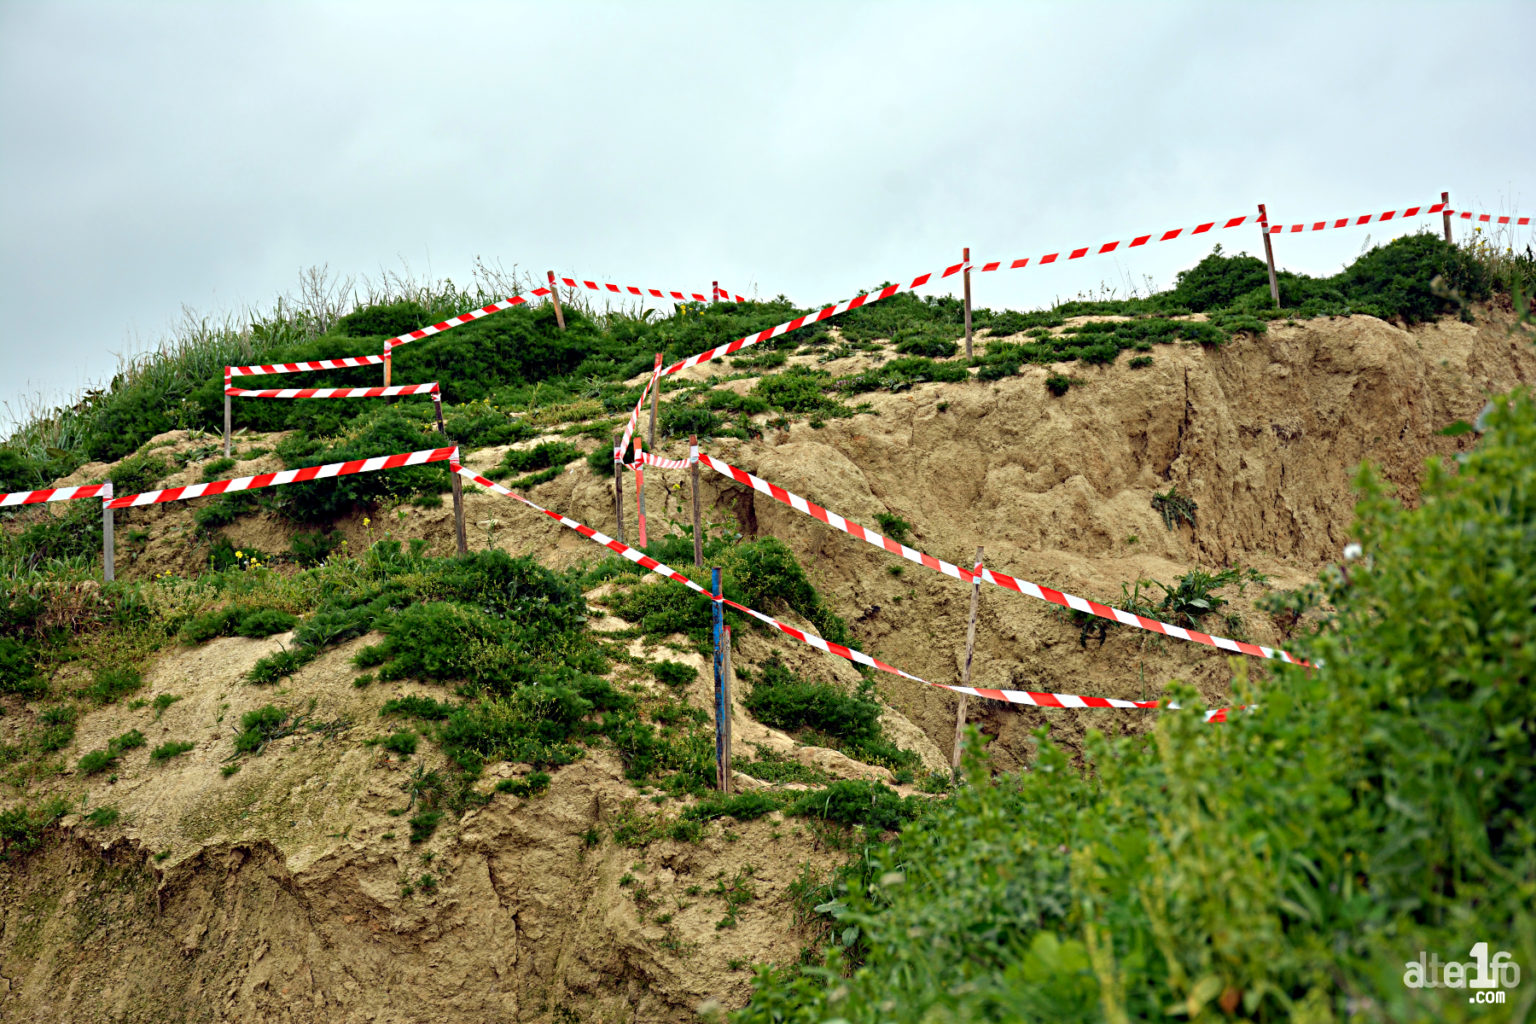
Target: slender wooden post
x,y
966,255
714,291
618,490
970,649
725,774
1269,256
1445,197
389,362
108,545
554,296
722,769
640,490
227,416
655,394
698,533
458,483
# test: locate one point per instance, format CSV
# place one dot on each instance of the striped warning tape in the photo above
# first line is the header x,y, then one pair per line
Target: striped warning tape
x,y
719,294
1003,580
463,318
634,416
287,476
651,459
55,494
1351,222
389,392
317,364
1487,218
1045,700
1129,243
811,318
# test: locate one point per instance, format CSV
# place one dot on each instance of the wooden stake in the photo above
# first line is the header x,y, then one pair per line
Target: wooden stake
x,y
227,416
554,296
1445,197
389,363
729,713
714,291
965,673
1269,256
108,544
458,485
640,490
618,489
698,534
717,612
966,255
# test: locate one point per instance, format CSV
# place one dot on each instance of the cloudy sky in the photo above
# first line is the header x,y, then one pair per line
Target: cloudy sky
x,y
159,154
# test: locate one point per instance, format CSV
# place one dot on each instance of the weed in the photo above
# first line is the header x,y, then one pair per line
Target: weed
x,y
170,749
112,684
530,786
402,743
1059,384
103,817
1174,507
894,526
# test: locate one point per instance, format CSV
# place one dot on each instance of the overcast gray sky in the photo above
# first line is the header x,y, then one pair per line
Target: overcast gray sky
x,y
160,154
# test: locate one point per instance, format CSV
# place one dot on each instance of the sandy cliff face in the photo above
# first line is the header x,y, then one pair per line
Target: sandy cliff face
x,y
281,893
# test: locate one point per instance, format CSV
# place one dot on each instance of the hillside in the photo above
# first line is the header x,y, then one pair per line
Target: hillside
x,y
420,787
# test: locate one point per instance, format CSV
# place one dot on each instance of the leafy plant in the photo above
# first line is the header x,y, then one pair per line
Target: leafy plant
x,y
1174,507
170,749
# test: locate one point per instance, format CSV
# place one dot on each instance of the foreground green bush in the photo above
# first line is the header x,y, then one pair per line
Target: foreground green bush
x,y
1284,866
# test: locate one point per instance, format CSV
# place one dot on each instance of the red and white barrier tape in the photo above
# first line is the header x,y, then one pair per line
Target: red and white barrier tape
x,y
1129,243
651,459
461,319
287,476
389,392
318,364
811,318
634,417
1487,218
1046,700
1351,222
1003,580
55,494
720,294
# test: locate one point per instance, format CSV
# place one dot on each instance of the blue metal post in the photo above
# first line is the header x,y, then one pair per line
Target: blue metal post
x,y
721,711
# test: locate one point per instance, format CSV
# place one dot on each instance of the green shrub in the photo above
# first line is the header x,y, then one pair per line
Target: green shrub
x,y
22,827
216,469
18,670
112,684
418,707
103,817
259,727
824,713
281,664
894,526
858,802
674,674
545,455
1283,865
402,743
1059,384
529,786
137,474
424,824
797,389
168,750
741,806
313,547
236,621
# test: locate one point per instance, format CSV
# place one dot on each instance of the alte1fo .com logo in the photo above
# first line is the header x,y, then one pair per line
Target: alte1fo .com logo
x,y
1487,977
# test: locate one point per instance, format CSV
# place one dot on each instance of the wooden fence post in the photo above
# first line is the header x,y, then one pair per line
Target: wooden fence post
x,y
965,673
618,490
554,296
722,769
227,416
966,256
640,489
1269,256
1445,197
698,535
459,537
714,291
108,545
389,362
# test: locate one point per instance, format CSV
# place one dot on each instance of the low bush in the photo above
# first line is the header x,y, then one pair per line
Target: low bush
x,y
170,749
527,787
824,712
858,802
